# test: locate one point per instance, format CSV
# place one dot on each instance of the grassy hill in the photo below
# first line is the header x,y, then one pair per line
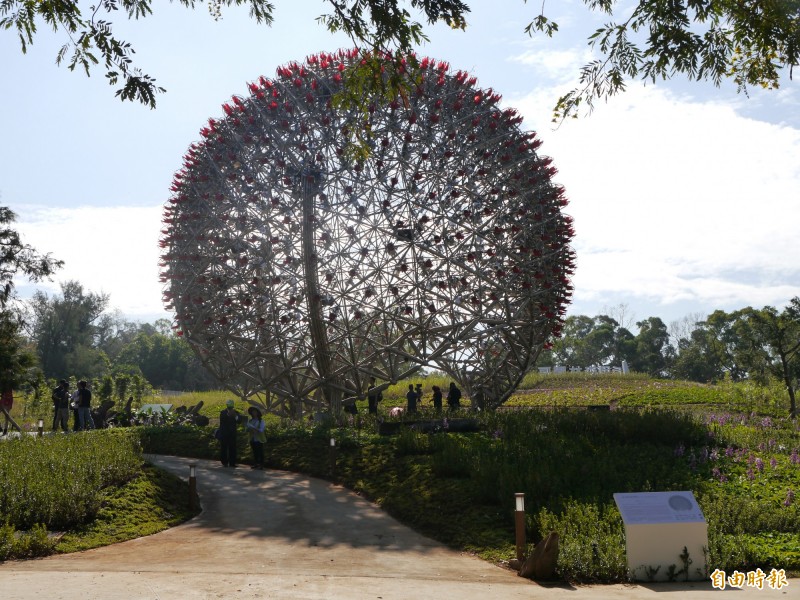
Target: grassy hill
x,y
569,390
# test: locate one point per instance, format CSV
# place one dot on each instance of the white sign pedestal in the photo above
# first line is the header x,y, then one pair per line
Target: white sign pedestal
x,y
658,526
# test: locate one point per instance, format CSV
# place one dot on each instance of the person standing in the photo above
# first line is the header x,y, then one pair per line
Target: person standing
x,y
85,420
373,397
256,428
420,394
478,399
437,398
453,397
411,398
7,403
60,398
228,420
74,401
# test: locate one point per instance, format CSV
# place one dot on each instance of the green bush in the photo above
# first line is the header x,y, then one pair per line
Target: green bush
x,y
591,541
24,544
182,440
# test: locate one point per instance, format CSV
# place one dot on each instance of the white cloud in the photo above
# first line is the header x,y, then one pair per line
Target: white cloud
x,y
107,249
677,200
558,65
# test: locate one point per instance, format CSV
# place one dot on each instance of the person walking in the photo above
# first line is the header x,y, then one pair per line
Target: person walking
x,y
453,397
85,420
228,420
420,394
60,399
373,397
437,398
256,429
411,398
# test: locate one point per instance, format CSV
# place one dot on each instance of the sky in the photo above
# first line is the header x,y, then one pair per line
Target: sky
x,y
684,195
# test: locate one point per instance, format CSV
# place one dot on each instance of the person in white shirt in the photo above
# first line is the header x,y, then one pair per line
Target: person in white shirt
x,y
256,430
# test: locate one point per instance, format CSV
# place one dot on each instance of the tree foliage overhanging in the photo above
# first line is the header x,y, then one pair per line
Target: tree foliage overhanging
x,y
751,42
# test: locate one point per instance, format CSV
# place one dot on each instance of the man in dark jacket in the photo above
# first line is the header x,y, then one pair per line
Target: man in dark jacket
x,y
411,398
228,420
85,420
61,406
373,397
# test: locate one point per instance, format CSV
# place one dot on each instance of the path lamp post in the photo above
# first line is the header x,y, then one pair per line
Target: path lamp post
x,y
519,524
40,426
333,457
192,486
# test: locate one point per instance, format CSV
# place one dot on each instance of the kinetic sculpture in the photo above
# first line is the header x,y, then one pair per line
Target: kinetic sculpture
x,y
298,270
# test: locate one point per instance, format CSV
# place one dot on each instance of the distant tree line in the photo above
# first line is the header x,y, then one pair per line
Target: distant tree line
x,y
756,344
72,334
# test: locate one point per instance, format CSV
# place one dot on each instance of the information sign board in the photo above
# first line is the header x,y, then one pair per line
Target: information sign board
x,y
666,536
659,507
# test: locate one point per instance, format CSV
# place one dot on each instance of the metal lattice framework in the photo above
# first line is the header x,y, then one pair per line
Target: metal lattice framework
x,y
297,272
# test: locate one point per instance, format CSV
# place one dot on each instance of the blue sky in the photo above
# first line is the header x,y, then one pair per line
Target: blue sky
x,y
684,195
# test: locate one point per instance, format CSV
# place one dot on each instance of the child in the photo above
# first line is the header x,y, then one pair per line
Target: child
x,y
256,430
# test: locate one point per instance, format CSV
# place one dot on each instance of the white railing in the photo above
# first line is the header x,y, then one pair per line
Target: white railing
x,y
623,369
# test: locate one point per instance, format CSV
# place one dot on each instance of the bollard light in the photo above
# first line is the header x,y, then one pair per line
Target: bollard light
x,y
40,425
332,457
192,486
519,525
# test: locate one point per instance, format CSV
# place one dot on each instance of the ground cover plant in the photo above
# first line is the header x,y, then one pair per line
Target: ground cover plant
x,y
566,390
55,480
62,493
152,501
214,401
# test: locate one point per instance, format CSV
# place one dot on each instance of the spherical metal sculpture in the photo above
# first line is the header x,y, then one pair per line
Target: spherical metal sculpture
x,y
298,270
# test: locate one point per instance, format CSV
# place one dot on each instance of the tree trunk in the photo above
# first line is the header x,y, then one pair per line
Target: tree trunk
x,y
316,320
787,379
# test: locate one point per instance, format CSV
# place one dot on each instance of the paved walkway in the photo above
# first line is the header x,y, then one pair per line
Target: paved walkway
x,y
273,534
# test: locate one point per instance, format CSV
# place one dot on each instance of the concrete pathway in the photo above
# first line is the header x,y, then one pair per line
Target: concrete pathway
x,y
274,534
